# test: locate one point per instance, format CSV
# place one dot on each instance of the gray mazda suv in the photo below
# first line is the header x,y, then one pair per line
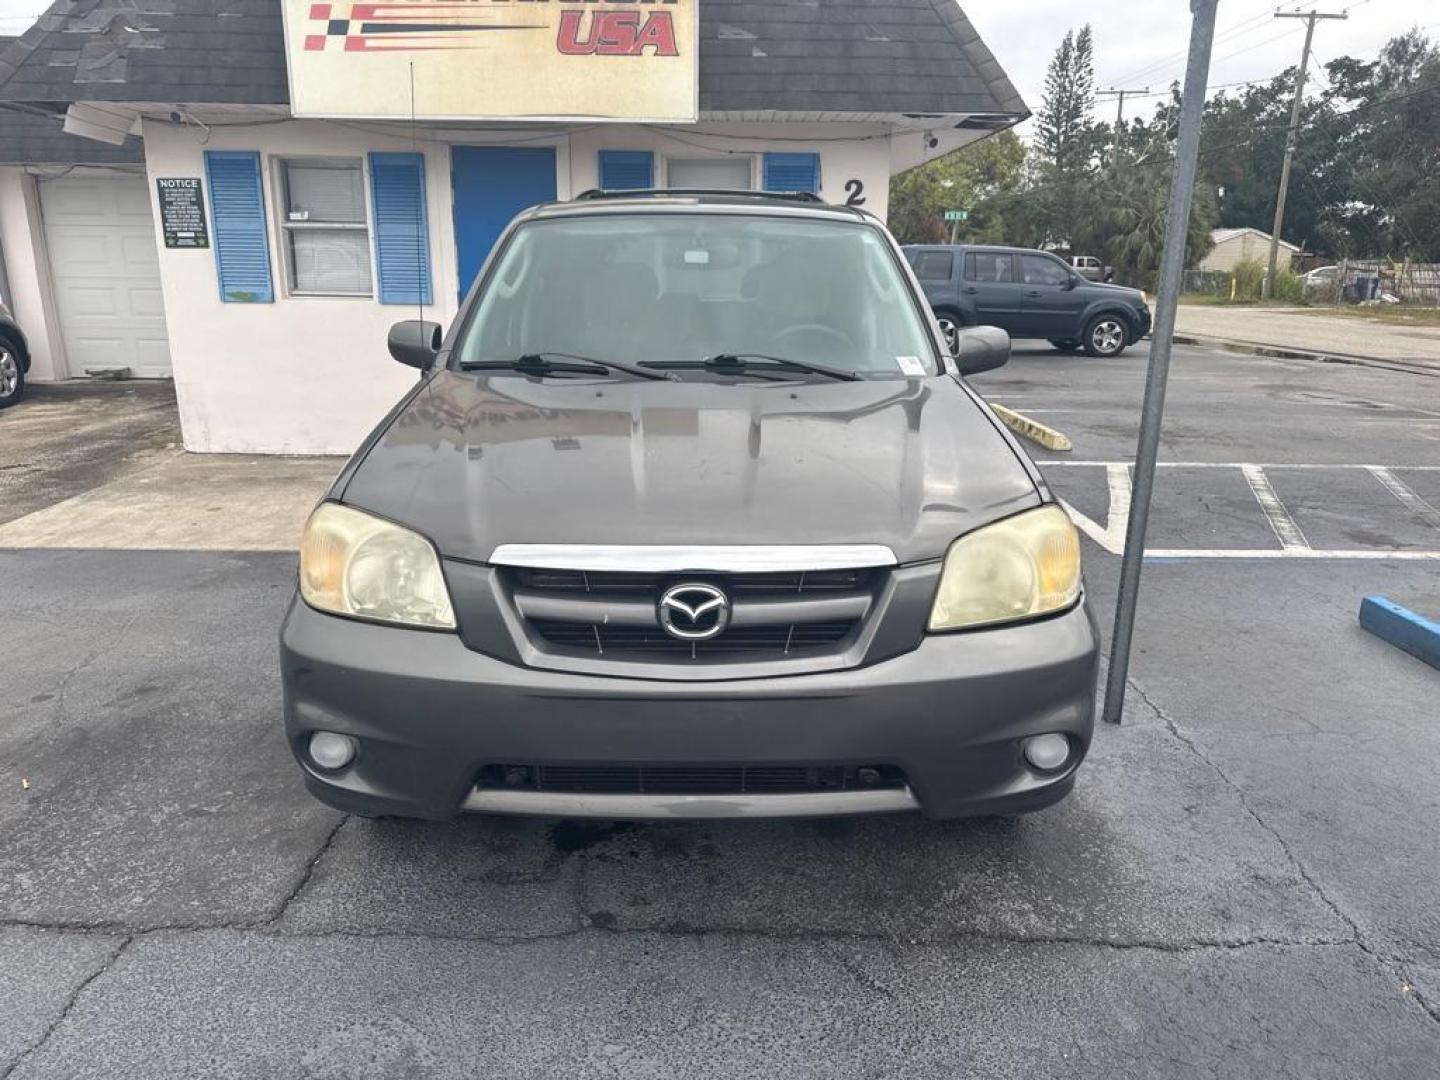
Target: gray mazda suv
x,y
690,515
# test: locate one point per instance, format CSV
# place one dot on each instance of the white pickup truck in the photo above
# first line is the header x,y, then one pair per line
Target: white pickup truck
x,y
1091,268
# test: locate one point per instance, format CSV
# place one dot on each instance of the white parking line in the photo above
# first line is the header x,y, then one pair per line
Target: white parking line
x,y
1293,543
1408,499
1289,534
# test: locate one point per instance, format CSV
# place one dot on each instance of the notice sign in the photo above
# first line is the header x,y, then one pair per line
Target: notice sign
x,y
494,60
182,213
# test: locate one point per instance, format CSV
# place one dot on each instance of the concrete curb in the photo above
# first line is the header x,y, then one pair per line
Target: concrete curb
x,y
1033,430
1281,353
1402,628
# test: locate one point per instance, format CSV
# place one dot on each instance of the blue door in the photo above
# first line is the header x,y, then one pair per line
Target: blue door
x,y
492,184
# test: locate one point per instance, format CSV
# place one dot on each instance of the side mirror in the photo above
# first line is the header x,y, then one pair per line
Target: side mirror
x,y
1071,282
414,343
981,348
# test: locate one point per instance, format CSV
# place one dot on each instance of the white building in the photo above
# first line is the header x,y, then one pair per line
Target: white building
x,y
1239,245
319,233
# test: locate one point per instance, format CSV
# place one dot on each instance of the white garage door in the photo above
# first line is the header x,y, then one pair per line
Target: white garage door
x,y
107,279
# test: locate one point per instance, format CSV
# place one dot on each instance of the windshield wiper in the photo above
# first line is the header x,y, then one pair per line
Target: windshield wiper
x,y
730,361
544,363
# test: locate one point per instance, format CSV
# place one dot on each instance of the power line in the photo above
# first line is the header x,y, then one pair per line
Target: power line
x,y
1237,30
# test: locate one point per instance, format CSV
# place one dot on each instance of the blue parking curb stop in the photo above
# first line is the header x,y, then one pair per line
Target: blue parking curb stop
x,y
1403,628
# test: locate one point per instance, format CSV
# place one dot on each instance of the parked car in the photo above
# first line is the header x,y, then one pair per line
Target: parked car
x,y
1321,282
14,358
691,514
1091,268
1028,294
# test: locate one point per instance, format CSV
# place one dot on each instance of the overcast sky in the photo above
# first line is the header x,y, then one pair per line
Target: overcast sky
x,y
1137,42
1141,43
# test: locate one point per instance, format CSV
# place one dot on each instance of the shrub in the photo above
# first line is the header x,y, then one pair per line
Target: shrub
x,y
1249,277
1288,287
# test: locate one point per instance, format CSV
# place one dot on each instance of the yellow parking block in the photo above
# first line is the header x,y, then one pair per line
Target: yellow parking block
x,y
1033,430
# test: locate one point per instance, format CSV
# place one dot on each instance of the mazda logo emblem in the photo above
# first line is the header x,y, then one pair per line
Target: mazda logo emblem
x,y
694,612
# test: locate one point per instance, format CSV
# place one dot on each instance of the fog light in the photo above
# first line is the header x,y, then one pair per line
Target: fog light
x,y
330,750
1047,753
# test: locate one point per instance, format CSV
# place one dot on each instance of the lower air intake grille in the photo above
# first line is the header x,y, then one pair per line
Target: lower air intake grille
x,y
690,779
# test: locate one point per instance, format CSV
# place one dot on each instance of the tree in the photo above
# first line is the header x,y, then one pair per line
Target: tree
x,y
1065,136
964,179
1069,146
1367,159
1381,153
1133,224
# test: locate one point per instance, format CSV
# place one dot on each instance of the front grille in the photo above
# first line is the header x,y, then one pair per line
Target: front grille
x,y
609,581
776,638
612,615
616,779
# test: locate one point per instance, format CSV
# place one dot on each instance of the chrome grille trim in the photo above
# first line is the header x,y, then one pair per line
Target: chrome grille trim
x,y
624,611
676,559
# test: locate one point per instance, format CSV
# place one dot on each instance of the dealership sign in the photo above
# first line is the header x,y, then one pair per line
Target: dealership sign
x,y
494,59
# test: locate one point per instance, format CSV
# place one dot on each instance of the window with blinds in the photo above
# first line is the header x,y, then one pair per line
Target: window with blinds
x,y
323,224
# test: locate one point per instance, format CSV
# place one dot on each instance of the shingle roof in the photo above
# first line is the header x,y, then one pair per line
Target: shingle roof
x,y
27,139
31,139
874,56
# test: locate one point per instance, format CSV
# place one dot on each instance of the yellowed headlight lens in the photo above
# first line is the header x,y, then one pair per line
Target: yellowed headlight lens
x,y
1024,566
352,563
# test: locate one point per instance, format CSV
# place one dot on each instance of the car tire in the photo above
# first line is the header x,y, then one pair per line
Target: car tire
x,y
1068,345
1106,335
12,373
950,325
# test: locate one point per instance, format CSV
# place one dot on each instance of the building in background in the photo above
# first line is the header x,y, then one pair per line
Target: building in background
x,y
1239,245
290,209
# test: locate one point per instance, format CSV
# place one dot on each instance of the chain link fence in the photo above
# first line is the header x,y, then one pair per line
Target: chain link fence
x,y
1350,281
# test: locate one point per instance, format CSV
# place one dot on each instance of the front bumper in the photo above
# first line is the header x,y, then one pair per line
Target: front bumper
x,y
430,713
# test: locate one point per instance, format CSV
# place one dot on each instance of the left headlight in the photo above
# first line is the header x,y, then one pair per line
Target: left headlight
x,y
352,563
1021,567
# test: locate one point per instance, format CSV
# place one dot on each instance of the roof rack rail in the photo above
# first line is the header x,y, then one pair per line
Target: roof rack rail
x,y
646,193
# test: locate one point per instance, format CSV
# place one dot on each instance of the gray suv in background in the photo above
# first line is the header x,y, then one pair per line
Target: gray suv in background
x,y
690,514
1028,294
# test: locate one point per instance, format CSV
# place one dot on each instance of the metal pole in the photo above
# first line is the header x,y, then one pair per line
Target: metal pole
x,y
1119,126
1172,268
1292,136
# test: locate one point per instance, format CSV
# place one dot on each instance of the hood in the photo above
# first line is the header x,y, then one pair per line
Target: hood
x,y
1134,295
474,461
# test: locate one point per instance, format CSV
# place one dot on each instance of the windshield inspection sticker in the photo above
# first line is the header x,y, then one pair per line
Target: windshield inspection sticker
x,y
911,366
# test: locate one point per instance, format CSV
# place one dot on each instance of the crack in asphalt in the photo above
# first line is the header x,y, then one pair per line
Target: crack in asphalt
x,y
597,923
1394,966
307,873
67,1007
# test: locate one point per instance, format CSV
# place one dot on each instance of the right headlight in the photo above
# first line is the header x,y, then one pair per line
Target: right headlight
x,y
1016,569
353,563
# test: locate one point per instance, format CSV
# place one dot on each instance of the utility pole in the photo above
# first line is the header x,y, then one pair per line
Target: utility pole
x,y
1119,116
1152,410
1292,136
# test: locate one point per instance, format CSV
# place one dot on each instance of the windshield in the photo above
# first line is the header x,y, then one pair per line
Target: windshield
x,y
672,289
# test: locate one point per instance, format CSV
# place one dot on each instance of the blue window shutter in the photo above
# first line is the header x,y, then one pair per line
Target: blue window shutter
x,y
402,234
626,169
792,172
237,217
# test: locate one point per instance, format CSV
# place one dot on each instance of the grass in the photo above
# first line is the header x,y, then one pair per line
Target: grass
x,y
1391,314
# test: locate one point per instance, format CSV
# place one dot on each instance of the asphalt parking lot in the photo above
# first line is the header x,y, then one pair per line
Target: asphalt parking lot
x,y
1243,883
